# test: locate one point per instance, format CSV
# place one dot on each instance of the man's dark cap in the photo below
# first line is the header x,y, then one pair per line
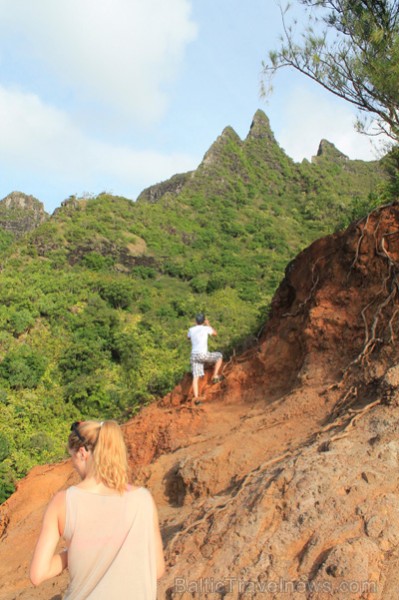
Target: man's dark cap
x,y
200,318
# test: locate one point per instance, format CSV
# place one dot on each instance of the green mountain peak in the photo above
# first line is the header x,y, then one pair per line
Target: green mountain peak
x,y
260,127
227,137
330,151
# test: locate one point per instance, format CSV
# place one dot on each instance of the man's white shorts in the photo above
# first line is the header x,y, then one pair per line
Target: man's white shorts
x,y
198,360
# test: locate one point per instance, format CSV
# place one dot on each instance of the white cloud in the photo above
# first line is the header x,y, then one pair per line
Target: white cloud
x,y
311,116
120,53
38,138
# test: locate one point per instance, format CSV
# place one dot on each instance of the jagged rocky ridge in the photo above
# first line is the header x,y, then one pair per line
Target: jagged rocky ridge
x,y
286,482
254,172
253,159
259,158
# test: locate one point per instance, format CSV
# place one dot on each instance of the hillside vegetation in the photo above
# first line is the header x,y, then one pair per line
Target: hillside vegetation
x,y
96,300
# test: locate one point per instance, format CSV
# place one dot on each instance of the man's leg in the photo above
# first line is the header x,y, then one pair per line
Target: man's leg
x,y
217,367
195,387
215,358
198,371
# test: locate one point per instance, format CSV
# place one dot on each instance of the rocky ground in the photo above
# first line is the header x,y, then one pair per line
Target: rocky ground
x,y
285,482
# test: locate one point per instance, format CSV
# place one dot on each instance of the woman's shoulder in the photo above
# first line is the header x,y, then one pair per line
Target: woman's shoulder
x,y
136,488
137,491
56,506
59,498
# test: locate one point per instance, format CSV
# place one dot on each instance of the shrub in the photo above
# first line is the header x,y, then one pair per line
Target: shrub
x,y
23,368
88,394
21,321
161,384
83,357
199,284
39,443
97,262
7,486
118,294
4,447
143,272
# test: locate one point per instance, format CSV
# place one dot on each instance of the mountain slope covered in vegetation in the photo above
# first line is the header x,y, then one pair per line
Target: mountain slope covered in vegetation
x,y
96,300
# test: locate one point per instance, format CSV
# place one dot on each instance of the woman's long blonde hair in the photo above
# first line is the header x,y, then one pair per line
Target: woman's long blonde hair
x,y
105,442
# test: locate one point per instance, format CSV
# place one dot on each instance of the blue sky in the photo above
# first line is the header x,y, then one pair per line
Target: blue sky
x,y
117,95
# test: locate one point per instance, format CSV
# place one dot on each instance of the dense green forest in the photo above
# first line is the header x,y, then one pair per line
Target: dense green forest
x,y
95,302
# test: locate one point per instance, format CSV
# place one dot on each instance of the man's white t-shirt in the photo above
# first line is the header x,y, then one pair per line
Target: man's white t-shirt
x,y
199,338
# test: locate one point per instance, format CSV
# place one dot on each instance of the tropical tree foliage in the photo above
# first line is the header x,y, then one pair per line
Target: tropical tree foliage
x,y
351,48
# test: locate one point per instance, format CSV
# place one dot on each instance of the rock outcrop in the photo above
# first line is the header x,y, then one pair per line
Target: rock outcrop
x,y
285,483
328,150
172,186
260,128
20,213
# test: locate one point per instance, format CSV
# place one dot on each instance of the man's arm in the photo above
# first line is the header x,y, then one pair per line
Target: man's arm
x,y
214,332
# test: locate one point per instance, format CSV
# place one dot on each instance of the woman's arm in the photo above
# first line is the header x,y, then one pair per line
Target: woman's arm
x,y
159,558
45,564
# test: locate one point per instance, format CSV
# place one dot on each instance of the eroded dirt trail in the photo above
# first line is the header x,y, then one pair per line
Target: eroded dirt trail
x,y
211,449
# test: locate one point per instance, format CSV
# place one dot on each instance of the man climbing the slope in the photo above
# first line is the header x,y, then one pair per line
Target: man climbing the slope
x,y
198,335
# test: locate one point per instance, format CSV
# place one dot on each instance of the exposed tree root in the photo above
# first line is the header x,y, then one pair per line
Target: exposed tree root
x,y
380,324
346,401
315,281
358,415
391,320
359,243
224,505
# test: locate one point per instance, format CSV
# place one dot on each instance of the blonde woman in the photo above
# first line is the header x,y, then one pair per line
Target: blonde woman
x,y
114,547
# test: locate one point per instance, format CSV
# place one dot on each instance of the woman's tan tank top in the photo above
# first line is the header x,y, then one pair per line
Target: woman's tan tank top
x,y
111,545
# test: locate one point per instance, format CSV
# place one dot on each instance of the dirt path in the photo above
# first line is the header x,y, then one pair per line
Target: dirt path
x,y
214,446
